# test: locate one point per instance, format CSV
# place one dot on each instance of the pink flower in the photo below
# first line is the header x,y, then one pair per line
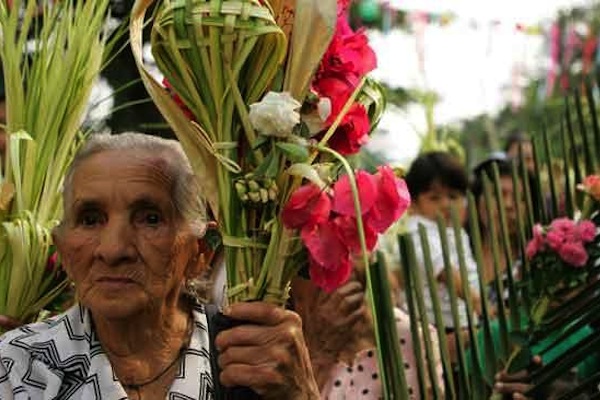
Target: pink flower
x,y
330,279
586,231
555,239
325,245
308,205
573,254
532,249
348,231
343,202
393,199
565,226
536,244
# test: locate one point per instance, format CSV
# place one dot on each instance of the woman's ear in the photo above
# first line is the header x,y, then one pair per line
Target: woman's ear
x,y
59,243
197,263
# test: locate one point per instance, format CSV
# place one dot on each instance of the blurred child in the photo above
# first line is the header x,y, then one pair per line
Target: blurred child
x,y
437,181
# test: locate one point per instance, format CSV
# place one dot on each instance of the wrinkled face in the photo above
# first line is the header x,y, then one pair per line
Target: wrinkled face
x,y
122,242
439,199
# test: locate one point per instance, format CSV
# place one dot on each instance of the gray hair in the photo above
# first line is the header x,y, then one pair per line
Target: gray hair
x,y
185,190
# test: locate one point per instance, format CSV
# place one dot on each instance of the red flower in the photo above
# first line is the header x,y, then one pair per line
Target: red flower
x,y
337,89
343,202
586,231
328,279
348,231
349,53
393,199
188,113
324,245
353,132
307,206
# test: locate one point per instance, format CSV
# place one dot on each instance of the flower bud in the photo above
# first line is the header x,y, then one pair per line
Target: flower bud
x,y
253,186
264,195
254,197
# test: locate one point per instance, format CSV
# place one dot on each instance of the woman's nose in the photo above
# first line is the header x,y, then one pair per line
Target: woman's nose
x,y
116,245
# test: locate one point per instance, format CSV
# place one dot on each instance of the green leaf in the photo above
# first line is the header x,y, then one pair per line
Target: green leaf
x,y
293,151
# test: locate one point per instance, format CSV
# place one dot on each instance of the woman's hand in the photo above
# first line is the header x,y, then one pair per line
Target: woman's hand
x,y
267,353
329,321
516,384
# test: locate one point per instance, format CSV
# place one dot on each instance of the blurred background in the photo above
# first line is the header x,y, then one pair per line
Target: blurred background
x,y
459,74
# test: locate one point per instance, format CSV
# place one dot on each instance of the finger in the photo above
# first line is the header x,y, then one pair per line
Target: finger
x,y
511,388
271,356
516,377
519,396
257,335
351,303
257,312
258,378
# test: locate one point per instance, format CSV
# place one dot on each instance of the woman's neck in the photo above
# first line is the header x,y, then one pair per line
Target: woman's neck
x,y
139,347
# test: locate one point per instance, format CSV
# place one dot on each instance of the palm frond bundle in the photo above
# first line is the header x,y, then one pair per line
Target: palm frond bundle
x,y
46,96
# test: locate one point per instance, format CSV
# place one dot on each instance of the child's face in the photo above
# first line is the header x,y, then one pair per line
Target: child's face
x,y
438,200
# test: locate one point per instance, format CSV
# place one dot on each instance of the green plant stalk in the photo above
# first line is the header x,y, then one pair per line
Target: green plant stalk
x,y
412,297
569,199
588,159
478,382
424,324
508,257
439,322
595,126
489,202
460,344
551,178
490,352
393,381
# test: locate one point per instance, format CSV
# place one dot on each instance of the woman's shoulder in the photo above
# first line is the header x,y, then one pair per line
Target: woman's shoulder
x,y
72,325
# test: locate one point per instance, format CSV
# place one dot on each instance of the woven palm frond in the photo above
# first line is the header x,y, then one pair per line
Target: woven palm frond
x,y
211,51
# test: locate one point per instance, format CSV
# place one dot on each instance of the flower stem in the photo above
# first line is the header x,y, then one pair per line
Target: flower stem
x,y
364,251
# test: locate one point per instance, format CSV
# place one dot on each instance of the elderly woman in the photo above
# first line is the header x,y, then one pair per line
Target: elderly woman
x,y
129,241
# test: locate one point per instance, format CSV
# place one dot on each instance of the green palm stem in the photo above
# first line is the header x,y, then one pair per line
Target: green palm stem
x,y
437,309
416,283
491,364
539,189
415,311
394,382
498,285
508,256
465,387
478,382
568,191
589,161
551,177
591,102
525,272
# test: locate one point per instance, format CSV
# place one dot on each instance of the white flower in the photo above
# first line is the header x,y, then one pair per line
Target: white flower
x,y
276,114
315,120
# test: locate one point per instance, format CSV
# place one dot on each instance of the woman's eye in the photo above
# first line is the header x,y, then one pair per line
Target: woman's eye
x,y
149,217
90,218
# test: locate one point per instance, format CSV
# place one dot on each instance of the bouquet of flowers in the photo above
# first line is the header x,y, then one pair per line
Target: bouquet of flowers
x,y
267,98
561,256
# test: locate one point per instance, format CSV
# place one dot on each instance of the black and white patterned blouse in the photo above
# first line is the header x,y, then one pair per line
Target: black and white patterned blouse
x,y
61,358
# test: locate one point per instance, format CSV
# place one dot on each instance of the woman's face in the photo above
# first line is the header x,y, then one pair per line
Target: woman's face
x,y
122,242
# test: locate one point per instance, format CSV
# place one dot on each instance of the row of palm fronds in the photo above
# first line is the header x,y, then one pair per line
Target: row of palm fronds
x,y
51,55
507,335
